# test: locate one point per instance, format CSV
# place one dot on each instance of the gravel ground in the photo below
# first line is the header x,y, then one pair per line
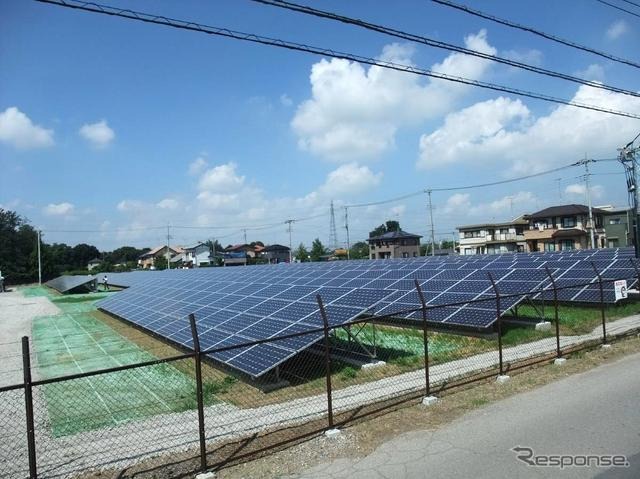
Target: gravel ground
x,y
122,446
16,315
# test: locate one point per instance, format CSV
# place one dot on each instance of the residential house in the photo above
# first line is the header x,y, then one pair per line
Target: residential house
x,y
493,238
276,253
196,255
618,225
564,227
241,248
394,244
94,263
146,260
234,259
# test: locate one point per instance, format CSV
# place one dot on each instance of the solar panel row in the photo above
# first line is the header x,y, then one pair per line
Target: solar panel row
x,y
66,283
238,305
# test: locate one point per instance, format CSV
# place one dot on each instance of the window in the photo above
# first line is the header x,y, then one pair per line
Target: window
x,y
567,244
405,255
615,221
549,246
613,243
569,222
472,234
519,230
504,231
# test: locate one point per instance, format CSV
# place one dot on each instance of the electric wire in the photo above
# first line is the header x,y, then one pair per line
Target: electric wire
x,y
250,37
548,36
439,44
617,7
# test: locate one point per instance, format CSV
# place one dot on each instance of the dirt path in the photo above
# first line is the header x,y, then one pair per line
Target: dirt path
x,y
17,313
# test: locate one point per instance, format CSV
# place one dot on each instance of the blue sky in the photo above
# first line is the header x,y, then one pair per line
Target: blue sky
x,y
118,128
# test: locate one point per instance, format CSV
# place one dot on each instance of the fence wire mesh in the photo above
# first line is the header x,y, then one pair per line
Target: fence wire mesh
x,y
108,396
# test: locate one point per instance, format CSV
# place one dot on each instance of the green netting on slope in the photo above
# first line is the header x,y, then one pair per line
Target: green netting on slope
x,y
75,341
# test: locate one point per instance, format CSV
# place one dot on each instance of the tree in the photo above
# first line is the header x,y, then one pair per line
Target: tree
x,y
390,225
301,254
18,248
215,248
359,250
317,250
160,262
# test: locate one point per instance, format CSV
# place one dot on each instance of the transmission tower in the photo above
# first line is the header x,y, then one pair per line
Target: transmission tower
x,y
333,233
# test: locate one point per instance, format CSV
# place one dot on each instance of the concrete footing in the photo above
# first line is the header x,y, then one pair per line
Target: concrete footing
x,y
559,361
543,326
502,379
606,346
332,432
206,475
373,364
429,400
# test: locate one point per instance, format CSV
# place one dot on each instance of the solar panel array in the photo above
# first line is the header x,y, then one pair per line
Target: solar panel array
x,y
242,304
66,283
126,279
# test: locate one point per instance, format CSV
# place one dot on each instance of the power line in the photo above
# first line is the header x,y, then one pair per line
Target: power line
x,y
619,8
250,37
438,44
632,3
548,36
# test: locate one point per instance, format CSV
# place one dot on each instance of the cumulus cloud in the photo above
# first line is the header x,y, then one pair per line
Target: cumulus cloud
x,y
18,130
97,134
168,204
285,100
580,190
59,209
617,29
221,179
354,112
532,57
350,179
504,132
506,207
197,166
594,72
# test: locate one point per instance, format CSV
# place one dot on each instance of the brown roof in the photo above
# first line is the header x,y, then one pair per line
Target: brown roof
x,y
569,232
538,234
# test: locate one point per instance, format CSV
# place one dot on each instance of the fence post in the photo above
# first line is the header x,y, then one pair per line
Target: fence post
x,y
604,320
199,394
555,309
635,267
425,338
499,319
28,402
327,359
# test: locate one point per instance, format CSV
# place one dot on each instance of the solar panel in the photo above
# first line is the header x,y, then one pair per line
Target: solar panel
x,y
66,283
238,305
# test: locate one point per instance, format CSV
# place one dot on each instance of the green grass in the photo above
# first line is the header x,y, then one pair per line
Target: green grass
x,y
75,341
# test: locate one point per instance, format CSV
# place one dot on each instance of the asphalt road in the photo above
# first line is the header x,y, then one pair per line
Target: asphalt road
x,y
596,412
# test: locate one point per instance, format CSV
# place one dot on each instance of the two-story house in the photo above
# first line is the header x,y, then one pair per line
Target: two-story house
x,y
146,260
493,238
276,253
618,225
394,244
564,227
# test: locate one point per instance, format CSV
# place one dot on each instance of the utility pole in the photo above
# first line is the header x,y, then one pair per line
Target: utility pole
x,y
627,158
333,234
245,235
289,222
168,253
39,261
433,233
346,227
587,177
559,188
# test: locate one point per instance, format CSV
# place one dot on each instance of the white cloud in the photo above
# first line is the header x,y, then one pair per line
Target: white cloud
x,y
504,133
617,29
350,179
60,209
221,179
168,204
532,57
98,134
355,112
506,207
197,166
580,190
130,205
594,72
286,100
18,130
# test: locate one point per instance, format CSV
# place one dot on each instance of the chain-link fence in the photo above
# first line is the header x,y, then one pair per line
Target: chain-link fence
x,y
147,408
